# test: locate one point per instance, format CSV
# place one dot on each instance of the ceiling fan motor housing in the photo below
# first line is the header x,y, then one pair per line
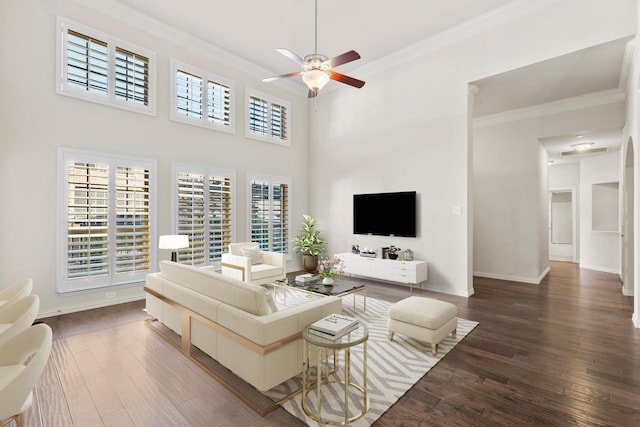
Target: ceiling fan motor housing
x,y
315,61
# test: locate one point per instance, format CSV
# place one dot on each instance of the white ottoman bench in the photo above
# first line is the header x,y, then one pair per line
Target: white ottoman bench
x,y
424,319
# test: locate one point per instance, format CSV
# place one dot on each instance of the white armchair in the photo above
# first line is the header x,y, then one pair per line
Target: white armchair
x,y
16,291
22,360
17,316
246,262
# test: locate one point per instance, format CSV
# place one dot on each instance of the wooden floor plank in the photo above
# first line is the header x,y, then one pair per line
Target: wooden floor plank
x,y
561,353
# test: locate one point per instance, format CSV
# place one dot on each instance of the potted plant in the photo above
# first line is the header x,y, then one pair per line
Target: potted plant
x,y
329,267
392,252
309,243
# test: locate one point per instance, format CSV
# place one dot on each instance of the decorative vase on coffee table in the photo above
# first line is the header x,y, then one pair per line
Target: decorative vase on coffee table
x,y
327,281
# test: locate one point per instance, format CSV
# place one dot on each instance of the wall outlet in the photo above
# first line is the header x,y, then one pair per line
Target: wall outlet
x,y
110,294
457,210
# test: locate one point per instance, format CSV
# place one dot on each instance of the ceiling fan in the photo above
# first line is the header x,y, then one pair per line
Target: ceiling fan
x,y
316,69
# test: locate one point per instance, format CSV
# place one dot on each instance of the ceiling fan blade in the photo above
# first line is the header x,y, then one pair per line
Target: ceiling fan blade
x,y
352,55
346,79
291,55
312,93
282,76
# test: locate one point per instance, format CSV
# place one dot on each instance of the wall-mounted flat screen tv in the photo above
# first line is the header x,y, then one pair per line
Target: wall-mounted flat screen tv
x,y
385,214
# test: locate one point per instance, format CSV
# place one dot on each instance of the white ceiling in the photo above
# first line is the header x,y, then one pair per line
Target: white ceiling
x,y
253,29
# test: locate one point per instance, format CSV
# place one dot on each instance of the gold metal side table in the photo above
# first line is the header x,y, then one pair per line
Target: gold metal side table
x,y
325,377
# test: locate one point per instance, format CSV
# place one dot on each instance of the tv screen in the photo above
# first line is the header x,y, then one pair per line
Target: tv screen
x,y
385,214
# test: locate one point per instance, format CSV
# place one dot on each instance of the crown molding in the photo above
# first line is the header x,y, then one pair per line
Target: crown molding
x,y
462,31
596,99
134,18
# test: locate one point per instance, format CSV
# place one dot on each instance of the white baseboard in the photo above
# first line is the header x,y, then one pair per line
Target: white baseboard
x,y
636,320
561,258
598,268
627,292
89,306
521,279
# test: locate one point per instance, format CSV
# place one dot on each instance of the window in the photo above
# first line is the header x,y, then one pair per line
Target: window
x,y
204,212
107,225
269,216
267,118
98,68
202,98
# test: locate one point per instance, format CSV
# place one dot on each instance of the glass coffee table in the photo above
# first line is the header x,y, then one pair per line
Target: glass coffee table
x,y
340,288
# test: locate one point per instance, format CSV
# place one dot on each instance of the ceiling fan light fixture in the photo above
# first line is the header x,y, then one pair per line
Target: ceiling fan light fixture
x,y
315,79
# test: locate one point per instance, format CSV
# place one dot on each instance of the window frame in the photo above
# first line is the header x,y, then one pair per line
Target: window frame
x,y
271,180
206,77
177,169
113,46
64,285
271,101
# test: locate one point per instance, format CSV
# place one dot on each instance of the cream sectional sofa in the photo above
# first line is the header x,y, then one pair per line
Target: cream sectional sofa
x,y
234,322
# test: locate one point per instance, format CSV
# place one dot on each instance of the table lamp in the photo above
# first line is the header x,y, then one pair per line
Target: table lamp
x,y
173,242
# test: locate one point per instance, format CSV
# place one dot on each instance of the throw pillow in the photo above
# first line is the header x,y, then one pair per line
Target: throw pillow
x,y
253,254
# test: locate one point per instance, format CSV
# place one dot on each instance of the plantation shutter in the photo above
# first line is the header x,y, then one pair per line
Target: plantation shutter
x,y
87,63
132,219
188,94
258,115
279,121
107,231
270,215
191,216
219,216
260,214
131,77
204,214
87,220
280,222
218,103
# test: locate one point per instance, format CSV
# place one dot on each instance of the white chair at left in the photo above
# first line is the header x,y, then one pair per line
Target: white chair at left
x,y
22,361
17,316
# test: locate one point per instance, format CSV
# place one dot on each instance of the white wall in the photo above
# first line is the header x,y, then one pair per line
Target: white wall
x,y
407,129
507,206
34,122
599,250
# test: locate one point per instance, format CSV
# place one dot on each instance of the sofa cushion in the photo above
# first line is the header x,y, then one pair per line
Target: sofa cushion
x,y
253,254
261,271
245,296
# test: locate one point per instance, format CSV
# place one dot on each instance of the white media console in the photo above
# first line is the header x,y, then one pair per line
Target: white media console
x,y
407,272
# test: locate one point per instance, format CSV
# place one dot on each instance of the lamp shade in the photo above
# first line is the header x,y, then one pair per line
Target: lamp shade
x,y
315,79
173,241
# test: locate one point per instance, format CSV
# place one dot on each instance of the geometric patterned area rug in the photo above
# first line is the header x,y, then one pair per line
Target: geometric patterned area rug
x,y
392,367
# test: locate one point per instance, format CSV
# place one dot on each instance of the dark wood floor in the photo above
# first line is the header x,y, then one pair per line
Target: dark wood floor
x,y
561,353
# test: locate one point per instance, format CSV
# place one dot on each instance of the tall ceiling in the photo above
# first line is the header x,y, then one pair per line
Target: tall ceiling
x,y
252,29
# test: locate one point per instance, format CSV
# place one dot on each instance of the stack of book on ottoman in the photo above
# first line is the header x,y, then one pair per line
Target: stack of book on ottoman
x,y
333,326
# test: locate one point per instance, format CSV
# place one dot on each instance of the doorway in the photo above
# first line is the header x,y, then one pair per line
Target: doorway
x,y
562,225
